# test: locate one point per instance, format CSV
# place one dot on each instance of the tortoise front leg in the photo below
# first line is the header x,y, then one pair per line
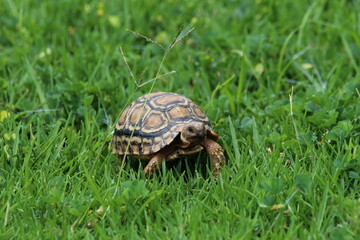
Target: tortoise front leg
x,y
157,159
217,155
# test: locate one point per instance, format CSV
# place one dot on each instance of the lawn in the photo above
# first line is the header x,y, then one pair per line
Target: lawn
x,y
279,80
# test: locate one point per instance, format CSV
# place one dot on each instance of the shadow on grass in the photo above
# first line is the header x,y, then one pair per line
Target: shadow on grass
x,y
187,168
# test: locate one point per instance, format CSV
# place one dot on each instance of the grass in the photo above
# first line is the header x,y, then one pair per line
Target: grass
x,y
279,80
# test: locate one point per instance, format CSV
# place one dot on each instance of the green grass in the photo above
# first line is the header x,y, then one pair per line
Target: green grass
x,y
280,81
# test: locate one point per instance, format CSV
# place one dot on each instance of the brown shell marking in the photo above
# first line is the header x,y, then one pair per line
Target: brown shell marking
x,y
153,121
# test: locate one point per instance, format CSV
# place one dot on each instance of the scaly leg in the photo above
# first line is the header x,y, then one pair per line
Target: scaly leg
x,y
122,162
217,156
157,159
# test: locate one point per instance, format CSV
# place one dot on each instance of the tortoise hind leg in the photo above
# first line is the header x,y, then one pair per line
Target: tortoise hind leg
x,y
122,162
217,156
157,159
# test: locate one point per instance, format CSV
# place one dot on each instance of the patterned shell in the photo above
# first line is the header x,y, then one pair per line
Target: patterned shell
x,y
153,121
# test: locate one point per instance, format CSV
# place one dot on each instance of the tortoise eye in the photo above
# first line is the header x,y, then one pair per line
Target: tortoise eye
x,y
190,129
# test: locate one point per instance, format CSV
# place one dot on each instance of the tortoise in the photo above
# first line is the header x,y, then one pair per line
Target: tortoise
x,y
165,125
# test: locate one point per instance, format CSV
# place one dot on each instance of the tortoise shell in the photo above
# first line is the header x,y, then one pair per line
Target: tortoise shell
x,y
153,121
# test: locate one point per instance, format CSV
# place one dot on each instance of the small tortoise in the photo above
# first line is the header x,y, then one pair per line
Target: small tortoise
x,y
164,125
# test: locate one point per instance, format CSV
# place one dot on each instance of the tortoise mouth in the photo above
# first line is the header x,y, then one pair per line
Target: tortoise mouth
x,y
197,137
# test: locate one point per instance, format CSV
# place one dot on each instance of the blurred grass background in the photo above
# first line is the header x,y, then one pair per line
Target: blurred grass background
x,y
278,79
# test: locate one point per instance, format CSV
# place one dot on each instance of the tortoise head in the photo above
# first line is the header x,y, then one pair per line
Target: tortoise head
x,y
192,134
